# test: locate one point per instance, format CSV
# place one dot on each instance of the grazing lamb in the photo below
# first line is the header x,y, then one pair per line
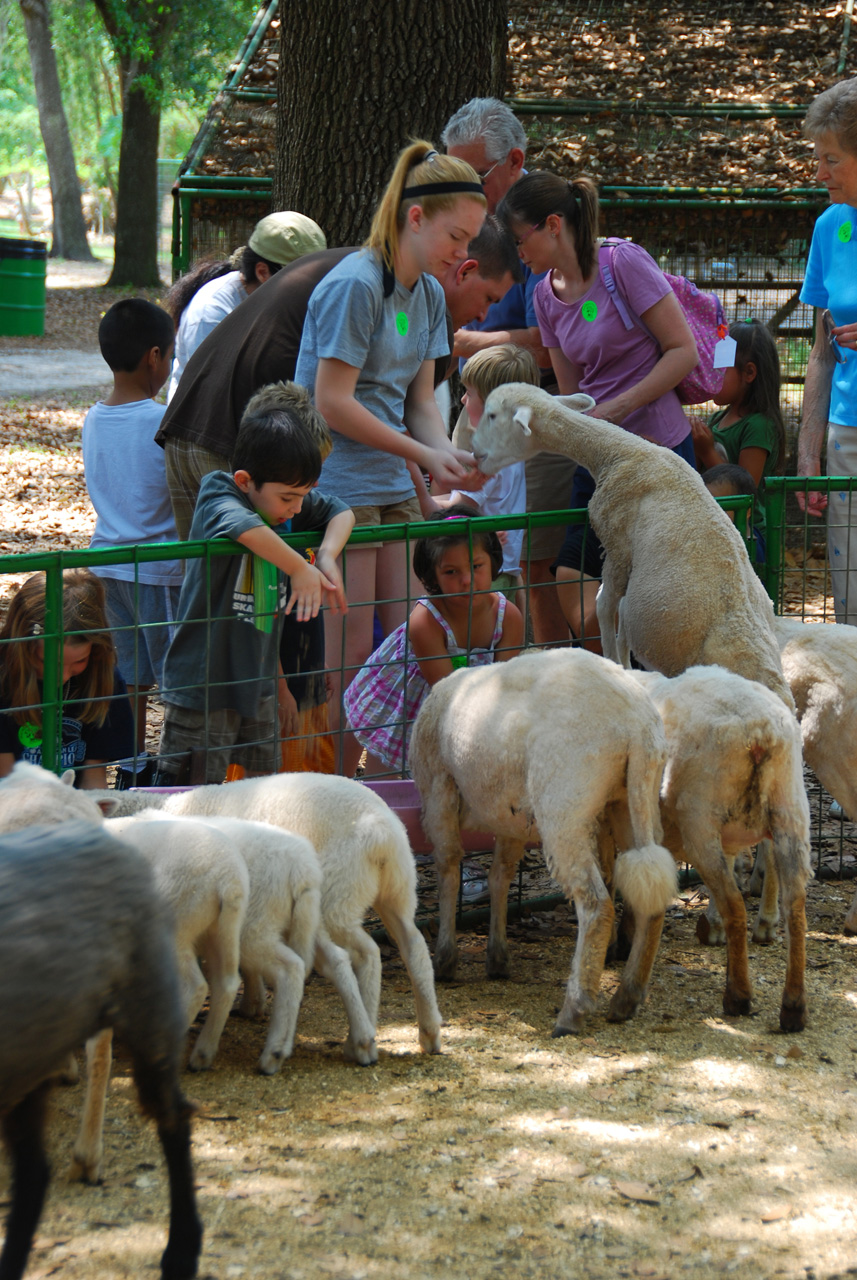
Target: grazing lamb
x,y
274,945
676,573
366,861
564,747
733,777
85,944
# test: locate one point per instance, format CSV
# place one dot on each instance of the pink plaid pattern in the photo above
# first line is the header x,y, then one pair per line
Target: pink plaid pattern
x,y
384,697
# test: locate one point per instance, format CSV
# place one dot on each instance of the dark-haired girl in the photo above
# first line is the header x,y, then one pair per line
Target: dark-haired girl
x,y
631,373
461,623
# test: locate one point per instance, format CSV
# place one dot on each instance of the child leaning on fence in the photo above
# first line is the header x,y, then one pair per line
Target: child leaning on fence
x,y
96,717
463,624
136,340
223,689
506,493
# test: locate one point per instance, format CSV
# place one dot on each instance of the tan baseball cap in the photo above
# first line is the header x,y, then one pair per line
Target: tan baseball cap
x,y
282,237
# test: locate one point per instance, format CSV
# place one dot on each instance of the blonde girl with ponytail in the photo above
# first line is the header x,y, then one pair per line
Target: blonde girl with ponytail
x,y
374,328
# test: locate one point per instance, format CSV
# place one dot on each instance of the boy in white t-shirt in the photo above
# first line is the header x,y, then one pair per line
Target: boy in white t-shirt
x,y
126,480
506,493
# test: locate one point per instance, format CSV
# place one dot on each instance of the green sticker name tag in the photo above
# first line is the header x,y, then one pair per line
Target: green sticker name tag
x,y
402,323
29,736
589,311
844,232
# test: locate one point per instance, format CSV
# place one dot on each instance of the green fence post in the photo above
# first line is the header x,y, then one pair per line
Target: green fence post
x,y
775,517
52,670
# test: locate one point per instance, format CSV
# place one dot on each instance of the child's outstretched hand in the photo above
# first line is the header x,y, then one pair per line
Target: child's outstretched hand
x,y
337,603
287,710
308,585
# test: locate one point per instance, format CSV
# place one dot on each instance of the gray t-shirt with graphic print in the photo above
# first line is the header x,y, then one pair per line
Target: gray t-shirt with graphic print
x,y
226,644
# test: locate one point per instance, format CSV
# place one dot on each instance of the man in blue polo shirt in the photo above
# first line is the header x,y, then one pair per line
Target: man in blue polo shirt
x,y
486,134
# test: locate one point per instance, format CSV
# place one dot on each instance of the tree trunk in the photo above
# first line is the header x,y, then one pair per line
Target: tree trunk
x,y
135,260
69,229
355,82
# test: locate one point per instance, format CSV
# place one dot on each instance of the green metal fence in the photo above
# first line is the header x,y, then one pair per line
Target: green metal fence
x,y
795,573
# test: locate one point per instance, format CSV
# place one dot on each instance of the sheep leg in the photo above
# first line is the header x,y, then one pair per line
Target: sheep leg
x,y
792,861
507,855
594,926
638,969
710,930
221,957
717,870
412,946
849,928
614,582
252,1002
23,1129
333,963
440,821
765,928
285,974
88,1153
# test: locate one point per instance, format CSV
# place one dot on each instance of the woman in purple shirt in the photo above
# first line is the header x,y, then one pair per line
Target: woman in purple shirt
x,y
631,374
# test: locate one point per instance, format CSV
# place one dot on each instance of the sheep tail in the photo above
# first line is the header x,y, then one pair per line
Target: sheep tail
x,y
647,879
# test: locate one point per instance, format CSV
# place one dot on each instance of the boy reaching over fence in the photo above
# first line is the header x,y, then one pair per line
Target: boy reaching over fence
x,y
224,689
136,340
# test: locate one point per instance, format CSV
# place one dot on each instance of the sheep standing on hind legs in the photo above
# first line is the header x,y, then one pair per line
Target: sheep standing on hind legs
x,y
676,573
85,944
563,747
734,775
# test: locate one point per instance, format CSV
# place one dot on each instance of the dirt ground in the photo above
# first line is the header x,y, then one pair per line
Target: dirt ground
x,y
682,1142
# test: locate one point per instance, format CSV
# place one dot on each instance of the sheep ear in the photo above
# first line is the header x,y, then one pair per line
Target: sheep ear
x,y
67,778
522,416
107,807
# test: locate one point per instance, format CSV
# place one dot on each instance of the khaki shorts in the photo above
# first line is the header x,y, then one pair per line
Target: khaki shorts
x,y
395,513
187,464
226,736
549,477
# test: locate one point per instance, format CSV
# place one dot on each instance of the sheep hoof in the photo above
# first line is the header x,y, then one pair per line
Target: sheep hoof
x,y
83,1170
793,1016
765,933
199,1062
560,1030
849,929
735,1006
430,1041
708,934
623,1006
365,1055
269,1064
497,967
445,968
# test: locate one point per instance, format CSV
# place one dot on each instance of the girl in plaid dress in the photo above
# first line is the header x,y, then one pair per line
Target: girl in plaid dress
x,y
461,623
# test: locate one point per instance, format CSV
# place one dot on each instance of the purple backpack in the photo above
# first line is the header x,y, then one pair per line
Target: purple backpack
x,y
703,313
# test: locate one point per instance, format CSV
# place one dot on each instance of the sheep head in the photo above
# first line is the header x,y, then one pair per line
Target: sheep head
x,y
505,432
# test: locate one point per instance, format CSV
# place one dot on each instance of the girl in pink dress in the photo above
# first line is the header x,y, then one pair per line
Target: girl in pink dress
x,y
461,623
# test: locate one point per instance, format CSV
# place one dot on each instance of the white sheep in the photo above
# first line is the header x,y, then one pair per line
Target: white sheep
x,y
820,665
676,573
733,777
86,944
366,862
274,945
564,747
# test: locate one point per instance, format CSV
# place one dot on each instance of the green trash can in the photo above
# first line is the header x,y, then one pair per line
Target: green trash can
x,y
23,268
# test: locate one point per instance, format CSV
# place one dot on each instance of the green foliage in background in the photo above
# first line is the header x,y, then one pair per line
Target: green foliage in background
x,y
205,41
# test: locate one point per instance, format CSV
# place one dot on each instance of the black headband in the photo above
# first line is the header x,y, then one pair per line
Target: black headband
x,y
443,189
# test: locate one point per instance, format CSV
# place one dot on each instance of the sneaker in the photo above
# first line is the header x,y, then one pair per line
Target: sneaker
x,y
144,777
474,883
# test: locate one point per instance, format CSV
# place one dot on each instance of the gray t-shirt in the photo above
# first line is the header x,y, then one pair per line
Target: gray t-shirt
x,y
387,339
225,638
